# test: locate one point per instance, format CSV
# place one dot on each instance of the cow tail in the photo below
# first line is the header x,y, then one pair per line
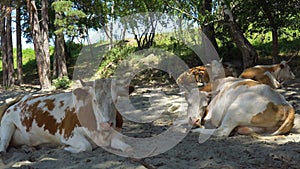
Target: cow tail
x,y
288,124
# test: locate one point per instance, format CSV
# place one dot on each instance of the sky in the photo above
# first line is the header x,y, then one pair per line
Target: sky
x,y
14,37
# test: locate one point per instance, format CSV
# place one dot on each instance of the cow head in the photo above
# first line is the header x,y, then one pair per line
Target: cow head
x,y
197,103
102,94
284,73
215,70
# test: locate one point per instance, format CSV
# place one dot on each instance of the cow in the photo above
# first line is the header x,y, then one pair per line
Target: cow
x,y
203,74
78,120
273,75
246,107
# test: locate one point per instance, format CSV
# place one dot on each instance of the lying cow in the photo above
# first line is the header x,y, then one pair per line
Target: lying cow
x,y
273,75
247,107
203,74
72,119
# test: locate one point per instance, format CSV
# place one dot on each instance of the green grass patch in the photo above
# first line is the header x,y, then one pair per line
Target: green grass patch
x,y
288,44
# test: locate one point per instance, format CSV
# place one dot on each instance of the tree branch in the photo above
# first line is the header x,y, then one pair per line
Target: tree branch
x,y
183,12
193,17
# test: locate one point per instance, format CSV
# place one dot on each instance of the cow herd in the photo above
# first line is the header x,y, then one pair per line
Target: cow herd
x,y
87,116
248,104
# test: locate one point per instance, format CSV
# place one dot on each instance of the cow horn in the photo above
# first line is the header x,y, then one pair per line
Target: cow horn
x,y
89,83
82,82
292,57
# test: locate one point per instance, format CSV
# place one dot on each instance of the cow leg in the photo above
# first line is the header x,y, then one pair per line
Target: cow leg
x,y
7,131
222,131
77,144
272,80
118,143
227,125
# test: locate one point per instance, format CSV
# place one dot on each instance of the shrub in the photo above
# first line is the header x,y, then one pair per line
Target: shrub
x,y
62,82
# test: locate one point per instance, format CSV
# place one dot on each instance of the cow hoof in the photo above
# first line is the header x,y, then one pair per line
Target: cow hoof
x,y
128,149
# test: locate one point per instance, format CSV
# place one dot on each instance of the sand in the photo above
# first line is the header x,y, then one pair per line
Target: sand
x,y
230,152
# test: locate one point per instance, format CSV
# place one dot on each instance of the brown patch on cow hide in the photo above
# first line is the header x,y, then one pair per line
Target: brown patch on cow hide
x,y
272,117
43,118
248,83
206,88
80,93
49,104
87,117
34,113
28,114
131,89
257,73
62,103
68,124
288,124
119,120
200,73
252,72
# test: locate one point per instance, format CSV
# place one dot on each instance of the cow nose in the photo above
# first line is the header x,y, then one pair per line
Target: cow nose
x,y
106,125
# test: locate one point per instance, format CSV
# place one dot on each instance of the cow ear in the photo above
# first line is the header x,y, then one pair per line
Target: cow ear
x,y
221,60
131,89
81,92
81,83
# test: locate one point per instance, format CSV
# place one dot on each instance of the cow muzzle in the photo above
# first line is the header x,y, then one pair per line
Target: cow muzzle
x,y
106,125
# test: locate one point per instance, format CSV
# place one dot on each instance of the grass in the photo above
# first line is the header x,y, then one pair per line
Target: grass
x,y
288,44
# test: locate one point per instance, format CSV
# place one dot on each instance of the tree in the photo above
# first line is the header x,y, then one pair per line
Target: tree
x,y
3,44
109,27
144,38
268,16
10,59
249,54
40,40
19,43
59,62
208,24
6,45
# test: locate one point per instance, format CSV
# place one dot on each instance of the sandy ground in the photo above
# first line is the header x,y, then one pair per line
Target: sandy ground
x,y
231,152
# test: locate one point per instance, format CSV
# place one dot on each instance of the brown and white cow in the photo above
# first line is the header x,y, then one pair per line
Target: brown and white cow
x,y
248,107
203,74
72,119
273,75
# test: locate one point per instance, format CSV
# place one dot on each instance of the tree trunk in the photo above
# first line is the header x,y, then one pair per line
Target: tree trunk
x,y
111,26
10,59
19,44
59,64
275,47
4,46
42,55
44,31
208,28
249,54
274,28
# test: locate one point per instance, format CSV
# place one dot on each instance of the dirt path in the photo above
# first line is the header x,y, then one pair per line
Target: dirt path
x,y
231,152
